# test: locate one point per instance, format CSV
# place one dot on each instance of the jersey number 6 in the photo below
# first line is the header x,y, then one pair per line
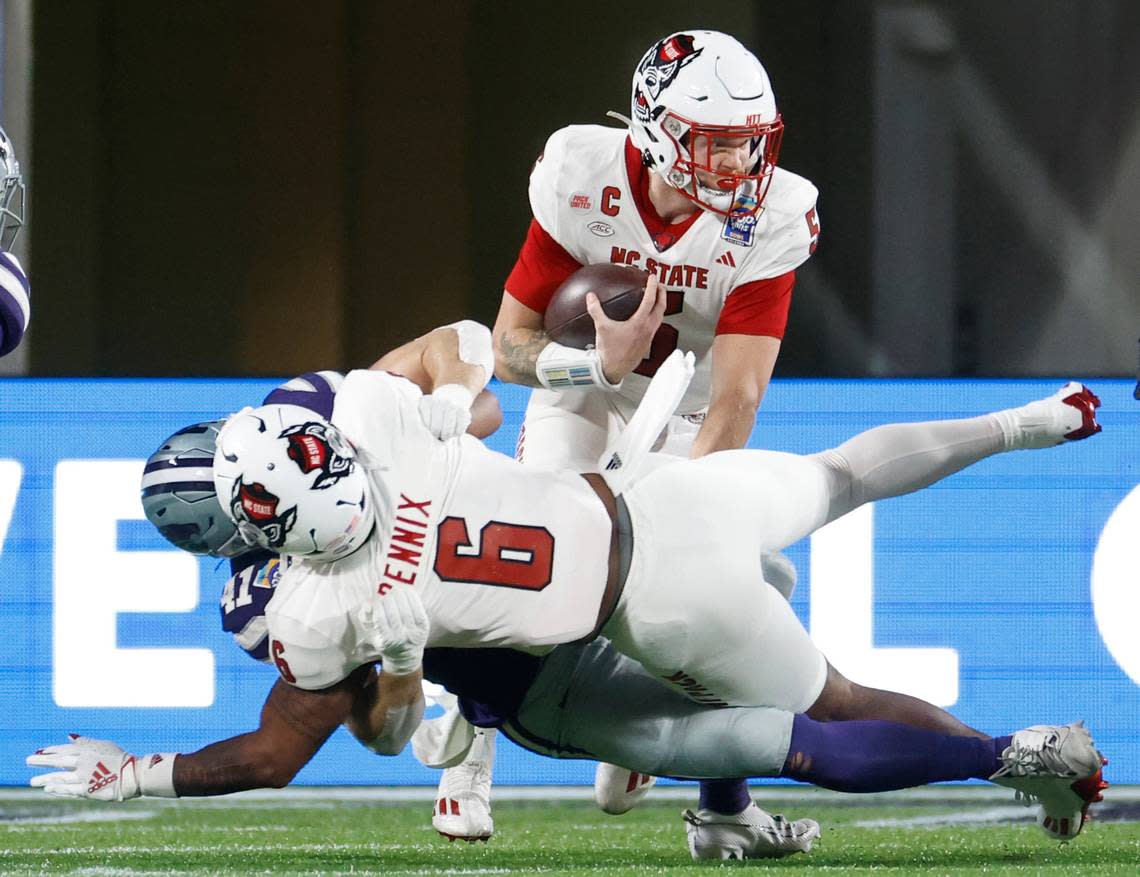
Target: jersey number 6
x,y
506,555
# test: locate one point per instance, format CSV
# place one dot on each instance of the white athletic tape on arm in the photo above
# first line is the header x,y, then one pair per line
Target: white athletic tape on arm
x,y
400,723
559,367
475,346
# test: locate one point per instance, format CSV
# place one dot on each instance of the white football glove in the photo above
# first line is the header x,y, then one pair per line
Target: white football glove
x,y
446,412
101,771
396,626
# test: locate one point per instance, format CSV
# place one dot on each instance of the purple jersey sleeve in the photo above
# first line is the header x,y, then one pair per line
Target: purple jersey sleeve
x,y
313,390
244,598
15,298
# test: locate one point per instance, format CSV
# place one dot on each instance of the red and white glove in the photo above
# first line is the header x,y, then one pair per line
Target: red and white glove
x,y
101,771
396,625
446,412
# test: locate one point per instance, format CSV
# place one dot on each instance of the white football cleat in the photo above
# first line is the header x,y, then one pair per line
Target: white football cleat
x,y
1058,767
462,808
1068,415
617,790
750,834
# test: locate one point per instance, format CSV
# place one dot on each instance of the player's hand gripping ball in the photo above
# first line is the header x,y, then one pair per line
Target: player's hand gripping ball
x,y
619,289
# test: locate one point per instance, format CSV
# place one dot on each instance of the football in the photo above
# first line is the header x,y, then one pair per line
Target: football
x,y
619,288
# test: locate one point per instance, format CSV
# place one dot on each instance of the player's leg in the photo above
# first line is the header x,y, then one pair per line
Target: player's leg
x,y
567,430
591,701
462,807
779,498
904,457
1056,766
617,789
844,700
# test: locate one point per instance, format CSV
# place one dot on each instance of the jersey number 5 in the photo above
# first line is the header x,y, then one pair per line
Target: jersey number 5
x,y
506,555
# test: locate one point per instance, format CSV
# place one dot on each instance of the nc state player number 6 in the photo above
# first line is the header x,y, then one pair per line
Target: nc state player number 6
x,y
506,555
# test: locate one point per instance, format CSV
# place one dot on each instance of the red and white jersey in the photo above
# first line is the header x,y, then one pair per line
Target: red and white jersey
x,y
501,555
589,195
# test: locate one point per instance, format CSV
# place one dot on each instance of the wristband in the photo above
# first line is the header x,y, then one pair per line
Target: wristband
x,y
559,367
155,775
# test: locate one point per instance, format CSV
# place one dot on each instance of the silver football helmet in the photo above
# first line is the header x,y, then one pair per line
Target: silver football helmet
x,y
178,494
11,194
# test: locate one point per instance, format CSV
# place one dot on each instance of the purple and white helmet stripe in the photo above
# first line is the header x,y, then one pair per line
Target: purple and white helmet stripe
x,y
313,390
15,304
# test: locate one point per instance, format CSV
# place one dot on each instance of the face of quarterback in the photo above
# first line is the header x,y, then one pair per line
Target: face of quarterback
x,y
714,158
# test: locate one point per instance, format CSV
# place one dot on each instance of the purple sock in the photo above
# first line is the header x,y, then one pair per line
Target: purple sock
x,y
724,796
873,756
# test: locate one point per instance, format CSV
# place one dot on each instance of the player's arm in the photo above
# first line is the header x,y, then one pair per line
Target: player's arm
x,y
525,354
395,625
519,339
294,724
741,370
388,712
451,365
744,352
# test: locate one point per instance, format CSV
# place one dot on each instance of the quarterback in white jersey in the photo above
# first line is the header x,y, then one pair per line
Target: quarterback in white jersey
x,y
502,554
692,194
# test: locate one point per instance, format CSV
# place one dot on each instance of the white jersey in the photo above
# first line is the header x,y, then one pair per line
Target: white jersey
x,y
582,196
500,555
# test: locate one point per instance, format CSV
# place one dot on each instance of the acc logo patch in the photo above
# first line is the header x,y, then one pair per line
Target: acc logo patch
x,y
319,447
601,229
580,201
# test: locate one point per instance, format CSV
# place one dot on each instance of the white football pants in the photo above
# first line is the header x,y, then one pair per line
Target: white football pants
x,y
590,701
696,612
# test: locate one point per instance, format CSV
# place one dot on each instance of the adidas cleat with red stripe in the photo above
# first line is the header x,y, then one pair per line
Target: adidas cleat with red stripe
x,y
617,790
1063,824
1069,415
462,809
1058,767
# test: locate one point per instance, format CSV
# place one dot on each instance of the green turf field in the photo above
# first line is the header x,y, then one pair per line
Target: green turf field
x,y
953,833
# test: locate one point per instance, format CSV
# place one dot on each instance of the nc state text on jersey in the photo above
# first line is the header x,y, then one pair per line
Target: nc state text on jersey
x,y
689,276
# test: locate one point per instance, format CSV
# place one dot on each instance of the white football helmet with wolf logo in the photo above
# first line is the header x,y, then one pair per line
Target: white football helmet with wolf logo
x,y
290,481
704,83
